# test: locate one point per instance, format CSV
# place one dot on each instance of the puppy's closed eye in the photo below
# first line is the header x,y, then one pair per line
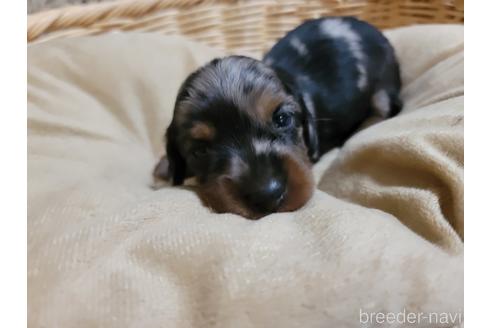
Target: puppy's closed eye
x,y
200,152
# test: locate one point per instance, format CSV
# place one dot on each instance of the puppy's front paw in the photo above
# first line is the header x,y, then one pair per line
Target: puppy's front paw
x,y
161,173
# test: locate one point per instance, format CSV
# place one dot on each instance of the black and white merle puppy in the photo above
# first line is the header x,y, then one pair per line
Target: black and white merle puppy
x,y
250,130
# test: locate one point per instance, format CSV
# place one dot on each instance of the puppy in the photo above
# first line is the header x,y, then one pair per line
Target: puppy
x,y
250,130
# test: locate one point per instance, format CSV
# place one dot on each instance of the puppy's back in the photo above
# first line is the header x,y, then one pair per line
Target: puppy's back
x,y
340,64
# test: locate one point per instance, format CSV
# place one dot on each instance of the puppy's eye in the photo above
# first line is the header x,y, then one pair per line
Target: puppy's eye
x,y
282,120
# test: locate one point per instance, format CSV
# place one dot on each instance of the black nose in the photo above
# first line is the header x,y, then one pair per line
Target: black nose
x,y
268,195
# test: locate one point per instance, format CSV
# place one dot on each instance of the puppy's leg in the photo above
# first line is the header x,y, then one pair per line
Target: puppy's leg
x,y
161,173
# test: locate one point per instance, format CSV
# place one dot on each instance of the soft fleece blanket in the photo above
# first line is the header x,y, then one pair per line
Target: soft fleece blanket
x,y
383,232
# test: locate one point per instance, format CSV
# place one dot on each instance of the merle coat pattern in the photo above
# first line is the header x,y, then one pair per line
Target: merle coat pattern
x,y
249,130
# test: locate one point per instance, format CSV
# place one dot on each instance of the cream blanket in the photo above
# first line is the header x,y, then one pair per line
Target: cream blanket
x,y
384,232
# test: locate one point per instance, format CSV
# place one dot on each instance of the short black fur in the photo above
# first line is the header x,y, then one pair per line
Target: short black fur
x,y
327,73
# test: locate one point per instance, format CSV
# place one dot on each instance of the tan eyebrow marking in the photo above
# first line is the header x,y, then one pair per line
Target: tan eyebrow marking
x,y
266,105
202,130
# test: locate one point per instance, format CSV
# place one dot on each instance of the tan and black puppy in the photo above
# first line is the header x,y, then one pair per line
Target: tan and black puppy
x,y
249,130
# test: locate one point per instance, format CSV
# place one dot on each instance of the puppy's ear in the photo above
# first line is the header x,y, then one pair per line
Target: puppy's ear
x,y
176,168
172,167
310,131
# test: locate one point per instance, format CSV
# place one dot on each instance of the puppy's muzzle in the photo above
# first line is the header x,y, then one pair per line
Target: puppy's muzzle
x,y
267,195
265,187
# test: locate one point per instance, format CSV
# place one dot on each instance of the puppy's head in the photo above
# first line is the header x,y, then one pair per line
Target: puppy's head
x,y
242,135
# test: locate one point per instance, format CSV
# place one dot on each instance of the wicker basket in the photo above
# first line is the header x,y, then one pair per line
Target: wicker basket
x,y
232,25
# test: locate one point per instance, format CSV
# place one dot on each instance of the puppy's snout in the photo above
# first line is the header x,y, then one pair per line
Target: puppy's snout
x,y
266,195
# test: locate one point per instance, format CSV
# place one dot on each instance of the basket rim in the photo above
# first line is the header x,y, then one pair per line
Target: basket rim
x,y
82,15
86,14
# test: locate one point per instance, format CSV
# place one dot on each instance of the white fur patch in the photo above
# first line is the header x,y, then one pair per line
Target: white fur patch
x,y
262,146
338,29
381,103
237,167
298,46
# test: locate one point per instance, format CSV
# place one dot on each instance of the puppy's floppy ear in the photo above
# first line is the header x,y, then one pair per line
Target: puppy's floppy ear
x,y
176,169
310,132
172,166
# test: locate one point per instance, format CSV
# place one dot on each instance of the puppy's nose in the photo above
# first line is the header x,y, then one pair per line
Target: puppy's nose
x,y
269,195
273,190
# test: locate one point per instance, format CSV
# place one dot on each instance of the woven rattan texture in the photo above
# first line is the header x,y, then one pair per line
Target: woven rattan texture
x,y
235,26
